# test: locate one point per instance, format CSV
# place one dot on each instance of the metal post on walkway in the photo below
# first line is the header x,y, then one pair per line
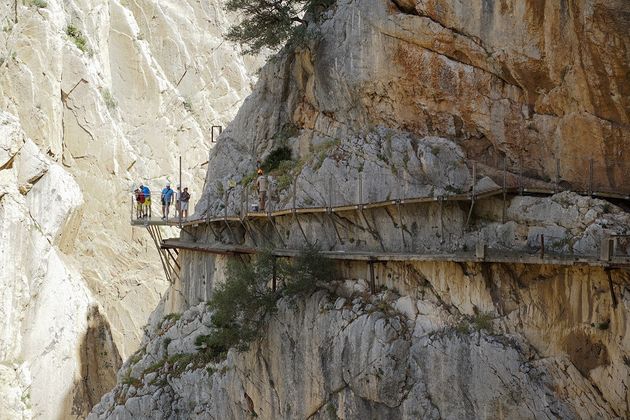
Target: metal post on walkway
x,y
556,187
294,192
330,193
372,277
542,246
274,274
181,188
360,198
504,188
474,181
590,176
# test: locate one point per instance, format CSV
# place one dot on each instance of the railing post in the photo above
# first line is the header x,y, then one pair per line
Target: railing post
x,y
294,192
590,176
607,249
474,175
504,188
557,185
372,277
132,206
542,246
360,203
330,193
274,274
181,189
246,189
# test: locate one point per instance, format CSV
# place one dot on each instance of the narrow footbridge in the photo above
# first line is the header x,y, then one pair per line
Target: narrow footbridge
x,y
229,245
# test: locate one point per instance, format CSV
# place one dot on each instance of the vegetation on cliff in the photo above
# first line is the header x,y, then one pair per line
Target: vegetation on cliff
x,y
270,24
241,305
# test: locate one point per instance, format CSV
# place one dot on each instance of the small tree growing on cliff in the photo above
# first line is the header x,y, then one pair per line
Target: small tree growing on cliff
x,y
242,304
271,23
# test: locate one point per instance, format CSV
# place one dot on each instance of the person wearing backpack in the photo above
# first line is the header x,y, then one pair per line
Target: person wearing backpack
x,y
184,199
147,200
139,194
167,200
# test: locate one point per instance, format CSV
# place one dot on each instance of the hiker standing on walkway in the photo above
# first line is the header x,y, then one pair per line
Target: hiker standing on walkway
x,y
147,201
261,186
167,200
139,202
185,198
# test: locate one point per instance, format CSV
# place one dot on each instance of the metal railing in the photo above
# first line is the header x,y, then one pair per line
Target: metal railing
x,y
331,190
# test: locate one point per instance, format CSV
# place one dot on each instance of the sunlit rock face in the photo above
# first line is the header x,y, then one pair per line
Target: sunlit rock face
x,y
96,96
398,96
526,82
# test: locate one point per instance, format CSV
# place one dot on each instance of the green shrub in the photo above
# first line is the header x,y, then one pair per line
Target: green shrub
x,y
275,158
108,98
242,303
305,272
39,3
173,316
77,37
187,105
482,321
130,380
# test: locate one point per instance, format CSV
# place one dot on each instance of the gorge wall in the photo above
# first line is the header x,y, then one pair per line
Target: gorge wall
x,y
96,96
403,95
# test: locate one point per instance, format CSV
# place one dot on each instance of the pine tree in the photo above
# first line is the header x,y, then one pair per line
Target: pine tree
x,y
271,23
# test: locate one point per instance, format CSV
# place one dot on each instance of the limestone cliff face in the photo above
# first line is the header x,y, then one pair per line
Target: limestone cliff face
x,y
95,97
400,95
528,81
344,353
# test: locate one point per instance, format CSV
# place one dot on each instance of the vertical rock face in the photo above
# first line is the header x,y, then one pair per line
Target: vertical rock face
x,y
445,346
401,94
95,96
527,81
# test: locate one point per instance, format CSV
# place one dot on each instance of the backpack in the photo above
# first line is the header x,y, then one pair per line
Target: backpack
x,y
140,197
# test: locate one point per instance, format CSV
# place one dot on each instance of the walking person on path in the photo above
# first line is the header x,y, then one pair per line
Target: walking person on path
x,y
167,200
185,198
261,186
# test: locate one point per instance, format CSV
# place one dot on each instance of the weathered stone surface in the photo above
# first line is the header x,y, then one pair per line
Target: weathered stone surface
x,y
312,360
84,118
528,81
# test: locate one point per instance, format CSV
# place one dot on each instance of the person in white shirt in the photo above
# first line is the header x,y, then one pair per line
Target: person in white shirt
x,y
261,186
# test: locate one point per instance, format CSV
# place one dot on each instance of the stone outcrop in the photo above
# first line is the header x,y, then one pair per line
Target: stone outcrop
x,y
525,82
400,98
442,348
95,97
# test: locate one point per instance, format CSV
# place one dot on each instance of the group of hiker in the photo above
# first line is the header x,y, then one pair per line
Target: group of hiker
x,y
180,199
168,197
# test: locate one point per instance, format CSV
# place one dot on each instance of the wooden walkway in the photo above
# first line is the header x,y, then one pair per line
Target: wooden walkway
x,y
467,197
169,248
374,256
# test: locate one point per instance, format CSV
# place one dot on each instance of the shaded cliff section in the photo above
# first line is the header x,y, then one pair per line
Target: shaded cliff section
x,y
99,361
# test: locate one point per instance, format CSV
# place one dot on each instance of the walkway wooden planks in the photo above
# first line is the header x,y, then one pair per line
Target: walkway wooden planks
x,y
377,256
174,222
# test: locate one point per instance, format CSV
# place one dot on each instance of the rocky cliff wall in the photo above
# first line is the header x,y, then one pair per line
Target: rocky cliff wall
x,y
401,95
472,340
521,82
96,96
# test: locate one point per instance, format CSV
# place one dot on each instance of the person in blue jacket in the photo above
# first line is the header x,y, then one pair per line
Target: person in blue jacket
x,y
167,199
147,200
